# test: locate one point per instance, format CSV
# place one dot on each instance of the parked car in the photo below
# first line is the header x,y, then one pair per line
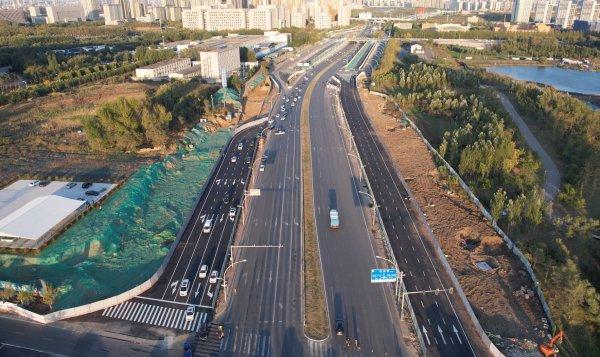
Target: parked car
x,y
92,193
34,183
43,183
183,288
86,185
71,185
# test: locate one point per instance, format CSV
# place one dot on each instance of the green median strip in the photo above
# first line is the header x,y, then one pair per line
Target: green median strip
x,y
316,325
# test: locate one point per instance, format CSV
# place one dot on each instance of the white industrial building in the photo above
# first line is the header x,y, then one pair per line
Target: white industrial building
x,y
30,214
214,61
162,69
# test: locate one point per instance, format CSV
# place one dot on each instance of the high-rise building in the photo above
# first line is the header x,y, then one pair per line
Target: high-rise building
x,y
193,18
298,19
588,11
136,9
113,14
264,17
64,13
564,14
225,19
91,9
521,11
322,20
542,12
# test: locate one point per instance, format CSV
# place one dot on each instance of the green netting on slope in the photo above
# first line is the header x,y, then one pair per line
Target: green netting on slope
x,y
360,55
122,244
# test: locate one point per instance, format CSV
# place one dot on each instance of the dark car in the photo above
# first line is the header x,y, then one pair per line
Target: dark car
x,y
226,198
248,160
92,193
43,183
86,185
203,333
339,327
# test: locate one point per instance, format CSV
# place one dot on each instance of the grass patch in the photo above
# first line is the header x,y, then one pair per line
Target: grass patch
x,y
316,325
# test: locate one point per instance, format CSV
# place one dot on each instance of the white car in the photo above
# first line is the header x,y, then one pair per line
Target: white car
x,y
34,183
283,118
232,213
240,146
203,271
277,115
189,313
183,288
207,226
213,277
262,167
293,104
296,99
280,132
234,159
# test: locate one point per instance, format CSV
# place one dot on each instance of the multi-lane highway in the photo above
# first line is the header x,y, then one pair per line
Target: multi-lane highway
x,y
441,318
368,312
265,316
165,304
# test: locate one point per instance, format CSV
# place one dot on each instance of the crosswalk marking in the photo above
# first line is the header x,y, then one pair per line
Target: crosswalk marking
x,y
155,315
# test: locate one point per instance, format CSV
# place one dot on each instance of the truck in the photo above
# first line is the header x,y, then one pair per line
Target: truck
x,y
334,219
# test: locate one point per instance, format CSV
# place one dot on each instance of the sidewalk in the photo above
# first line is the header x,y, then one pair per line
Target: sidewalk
x,y
552,175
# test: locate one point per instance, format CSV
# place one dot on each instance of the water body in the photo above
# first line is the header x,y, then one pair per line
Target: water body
x,y
121,244
568,80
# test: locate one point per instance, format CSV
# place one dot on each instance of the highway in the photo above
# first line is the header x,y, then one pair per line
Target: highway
x,y
371,319
164,304
442,319
265,317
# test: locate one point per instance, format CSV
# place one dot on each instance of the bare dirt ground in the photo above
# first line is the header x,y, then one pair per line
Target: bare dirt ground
x,y
501,297
257,100
42,137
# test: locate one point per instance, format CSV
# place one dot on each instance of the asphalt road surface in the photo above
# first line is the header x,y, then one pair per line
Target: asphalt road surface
x,y
441,317
264,317
367,310
165,303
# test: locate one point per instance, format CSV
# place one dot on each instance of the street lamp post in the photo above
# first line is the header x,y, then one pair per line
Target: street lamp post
x,y
225,286
374,206
359,164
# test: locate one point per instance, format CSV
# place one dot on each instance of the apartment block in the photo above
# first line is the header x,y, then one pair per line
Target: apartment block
x,y
521,11
162,69
264,18
91,9
322,21
564,14
225,19
64,13
543,12
193,19
298,19
113,14
588,11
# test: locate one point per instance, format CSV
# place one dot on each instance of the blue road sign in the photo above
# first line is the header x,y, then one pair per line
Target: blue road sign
x,y
384,275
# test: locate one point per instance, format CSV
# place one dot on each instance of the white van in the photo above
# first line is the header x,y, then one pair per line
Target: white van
x,y
207,226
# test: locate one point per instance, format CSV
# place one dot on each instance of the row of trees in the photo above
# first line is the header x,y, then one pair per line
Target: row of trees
x,y
130,124
72,79
466,120
25,297
573,129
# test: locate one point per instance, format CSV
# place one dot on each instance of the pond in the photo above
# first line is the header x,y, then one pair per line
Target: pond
x,y
568,80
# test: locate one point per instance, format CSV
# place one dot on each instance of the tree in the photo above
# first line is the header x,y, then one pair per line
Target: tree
x,y
49,294
515,209
53,65
7,293
155,121
497,204
24,297
535,206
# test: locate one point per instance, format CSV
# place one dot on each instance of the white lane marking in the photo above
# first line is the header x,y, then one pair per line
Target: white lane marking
x,y
426,336
441,334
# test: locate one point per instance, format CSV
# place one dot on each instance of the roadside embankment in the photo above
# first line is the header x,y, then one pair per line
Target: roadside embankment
x,y
492,278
